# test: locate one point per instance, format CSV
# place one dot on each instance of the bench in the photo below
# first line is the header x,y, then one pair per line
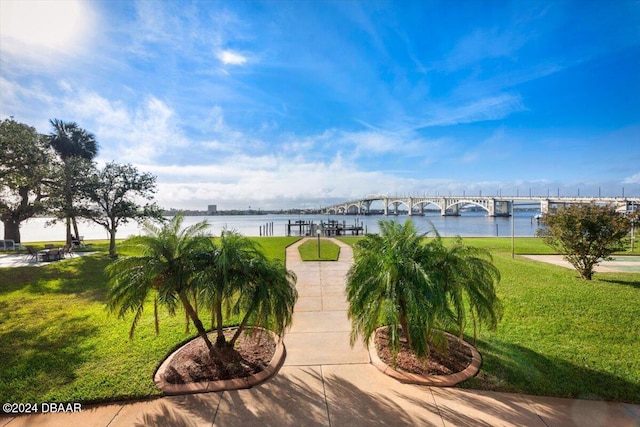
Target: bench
x,y
7,245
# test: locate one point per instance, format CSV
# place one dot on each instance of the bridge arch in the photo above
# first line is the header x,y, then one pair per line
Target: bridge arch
x,y
461,203
357,208
426,203
393,202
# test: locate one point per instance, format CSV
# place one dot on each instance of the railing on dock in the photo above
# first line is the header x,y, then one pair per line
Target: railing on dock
x,y
331,228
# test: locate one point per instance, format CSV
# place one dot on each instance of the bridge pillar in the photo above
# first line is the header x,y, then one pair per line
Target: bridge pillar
x,y
367,206
499,207
453,210
544,206
386,206
626,206
410,206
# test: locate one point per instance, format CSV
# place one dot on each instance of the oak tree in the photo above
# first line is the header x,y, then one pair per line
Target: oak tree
x,y
116,195
24,174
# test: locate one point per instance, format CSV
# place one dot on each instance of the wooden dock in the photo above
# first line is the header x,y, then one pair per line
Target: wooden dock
x,y
331,228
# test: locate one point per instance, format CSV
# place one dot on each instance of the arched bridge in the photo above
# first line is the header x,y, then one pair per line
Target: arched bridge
x,y
494,206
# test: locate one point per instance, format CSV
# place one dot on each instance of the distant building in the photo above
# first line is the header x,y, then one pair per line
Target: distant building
x,y
212,209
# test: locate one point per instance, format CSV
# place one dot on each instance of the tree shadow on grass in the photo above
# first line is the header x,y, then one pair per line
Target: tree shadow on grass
x,y
513,368
632,282
41,359
83,276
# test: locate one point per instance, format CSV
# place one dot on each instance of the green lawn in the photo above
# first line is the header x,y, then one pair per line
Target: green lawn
x,y
329,251
59,343
275,247
560,335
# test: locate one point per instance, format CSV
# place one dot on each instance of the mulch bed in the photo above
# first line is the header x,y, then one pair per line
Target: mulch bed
x,y
250,355
456,360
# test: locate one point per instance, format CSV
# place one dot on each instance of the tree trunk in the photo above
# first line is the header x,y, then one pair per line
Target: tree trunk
x,y
68,238
405,328
75,229
156,322
220,340
12,229
475,334
196,321
242,325
112,243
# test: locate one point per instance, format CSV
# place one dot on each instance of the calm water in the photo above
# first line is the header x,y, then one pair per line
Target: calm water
x,y
468,224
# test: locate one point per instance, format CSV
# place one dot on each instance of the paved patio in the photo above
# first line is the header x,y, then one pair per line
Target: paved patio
x,y
23,260
325,382
619,264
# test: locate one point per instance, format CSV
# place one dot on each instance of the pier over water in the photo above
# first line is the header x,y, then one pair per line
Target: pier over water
x,y
450,206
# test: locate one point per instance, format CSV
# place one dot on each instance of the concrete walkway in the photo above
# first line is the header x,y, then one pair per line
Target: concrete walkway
x,y
619,264
325,382
23,260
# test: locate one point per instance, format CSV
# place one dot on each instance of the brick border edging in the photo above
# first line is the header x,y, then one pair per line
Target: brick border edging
x,y
432,380
221,385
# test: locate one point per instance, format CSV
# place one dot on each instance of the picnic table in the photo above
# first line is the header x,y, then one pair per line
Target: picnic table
x,y
50,254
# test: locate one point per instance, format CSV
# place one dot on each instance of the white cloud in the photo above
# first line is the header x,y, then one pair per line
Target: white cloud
x,y
126,134
268,182
633,179
39,31
16,100
229,57
376,142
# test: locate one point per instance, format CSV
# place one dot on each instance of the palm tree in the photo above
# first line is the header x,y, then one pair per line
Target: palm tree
x,y
163,267
237,278
390,283
469,277
76,148
414,287
184,266
70,140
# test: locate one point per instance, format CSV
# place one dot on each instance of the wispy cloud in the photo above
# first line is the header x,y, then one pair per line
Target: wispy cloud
x,y
126,133
18,99
485,109
482,44
288,102
633,179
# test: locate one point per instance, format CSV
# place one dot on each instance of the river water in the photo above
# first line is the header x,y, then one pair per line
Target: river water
x,y
468,224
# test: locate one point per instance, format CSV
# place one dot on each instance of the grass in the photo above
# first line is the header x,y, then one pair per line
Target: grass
x,y
560,335
60,344
275,247
329,251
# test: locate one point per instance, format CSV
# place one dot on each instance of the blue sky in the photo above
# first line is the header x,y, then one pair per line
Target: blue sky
x,y
300,104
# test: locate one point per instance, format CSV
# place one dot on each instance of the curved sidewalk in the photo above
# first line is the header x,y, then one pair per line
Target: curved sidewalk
x,y
325,382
